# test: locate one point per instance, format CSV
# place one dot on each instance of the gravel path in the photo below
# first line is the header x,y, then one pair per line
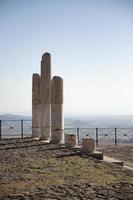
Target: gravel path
x,y
32,170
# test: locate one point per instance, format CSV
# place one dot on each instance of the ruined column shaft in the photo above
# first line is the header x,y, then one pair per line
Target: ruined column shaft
x,y
46,96
57,123
57,119
36,131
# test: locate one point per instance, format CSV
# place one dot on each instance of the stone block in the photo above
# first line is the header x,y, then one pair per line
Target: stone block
x,y
88,145
70,140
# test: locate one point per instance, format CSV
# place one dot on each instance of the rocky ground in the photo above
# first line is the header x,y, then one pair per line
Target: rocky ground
x,y
122,152
32,170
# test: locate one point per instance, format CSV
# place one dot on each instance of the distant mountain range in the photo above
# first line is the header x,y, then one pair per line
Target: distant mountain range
x,y
122,121
14,117
116,121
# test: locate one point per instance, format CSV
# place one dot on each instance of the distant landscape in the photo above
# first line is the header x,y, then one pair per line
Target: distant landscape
x,y
100,121
11,126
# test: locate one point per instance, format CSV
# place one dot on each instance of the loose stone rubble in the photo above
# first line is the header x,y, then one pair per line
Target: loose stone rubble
x,y
33,170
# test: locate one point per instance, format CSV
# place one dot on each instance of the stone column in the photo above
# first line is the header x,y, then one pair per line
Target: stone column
x,y
45,96
57,119
36,106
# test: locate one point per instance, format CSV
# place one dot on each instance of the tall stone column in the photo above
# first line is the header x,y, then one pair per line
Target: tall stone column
x,y
57,119
46,96
36,106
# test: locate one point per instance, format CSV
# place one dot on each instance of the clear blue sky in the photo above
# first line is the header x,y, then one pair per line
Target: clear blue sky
x,y
91,44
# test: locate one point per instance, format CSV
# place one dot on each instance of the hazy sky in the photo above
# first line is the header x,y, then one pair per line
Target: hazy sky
x,y
91,44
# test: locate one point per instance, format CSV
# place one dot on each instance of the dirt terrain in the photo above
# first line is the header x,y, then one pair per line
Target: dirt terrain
x,y
32,170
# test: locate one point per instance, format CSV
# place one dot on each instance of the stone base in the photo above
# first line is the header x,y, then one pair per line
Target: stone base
x,y
44,141
35,138
88,145
36,132
97,155
56,142
113,161
70,140
118,163
57,137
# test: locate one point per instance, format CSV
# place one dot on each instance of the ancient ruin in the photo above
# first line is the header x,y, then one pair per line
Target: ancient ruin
x,y
47,104
36,111
88,145
45,94
57,123
71,140
47,109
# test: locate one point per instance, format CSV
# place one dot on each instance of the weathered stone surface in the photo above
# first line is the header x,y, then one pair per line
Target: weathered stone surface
x,y
97,155
88,144
57,119
57,90
45,121
36,89
36,117
45,96
70,140
36,121
46,79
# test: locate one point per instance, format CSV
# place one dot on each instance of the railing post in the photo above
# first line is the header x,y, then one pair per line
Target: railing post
x,y
115,136
22,130
78,135
96,137
0,129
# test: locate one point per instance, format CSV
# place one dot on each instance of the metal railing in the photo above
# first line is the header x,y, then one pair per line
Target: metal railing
x,y
104,135
23,128
15,128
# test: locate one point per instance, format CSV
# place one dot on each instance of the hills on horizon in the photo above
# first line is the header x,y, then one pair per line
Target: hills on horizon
x,y
103,121
14,117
